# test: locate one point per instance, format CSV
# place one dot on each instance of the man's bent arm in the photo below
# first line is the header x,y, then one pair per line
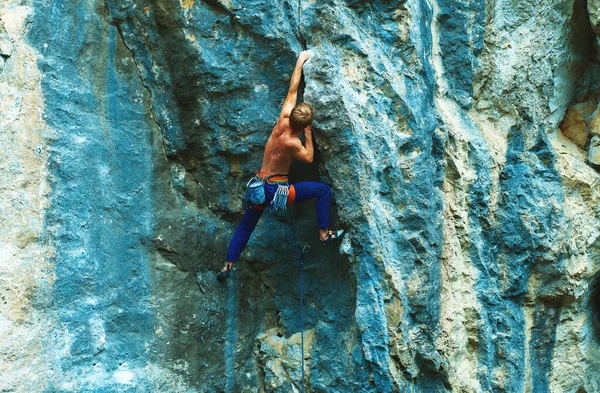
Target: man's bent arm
x,y
292,96
308,142
299,152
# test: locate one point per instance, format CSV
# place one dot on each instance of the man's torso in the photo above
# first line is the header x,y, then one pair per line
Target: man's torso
x,y
277,157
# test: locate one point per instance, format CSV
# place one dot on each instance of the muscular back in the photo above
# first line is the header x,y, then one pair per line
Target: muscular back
x,y
279,149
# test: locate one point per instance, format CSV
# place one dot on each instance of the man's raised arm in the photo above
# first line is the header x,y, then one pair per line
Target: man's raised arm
x,y
290,100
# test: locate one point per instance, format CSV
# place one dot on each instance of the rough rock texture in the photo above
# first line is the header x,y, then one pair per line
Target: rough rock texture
x,y
577,123
582,125
460,140
594,153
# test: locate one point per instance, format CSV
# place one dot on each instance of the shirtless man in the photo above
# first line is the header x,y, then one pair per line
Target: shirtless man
x,y
281,149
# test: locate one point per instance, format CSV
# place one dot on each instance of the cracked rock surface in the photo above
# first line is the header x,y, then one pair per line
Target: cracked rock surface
x,y
461,141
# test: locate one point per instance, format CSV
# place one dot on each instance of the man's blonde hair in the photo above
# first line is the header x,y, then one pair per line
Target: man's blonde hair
x,y
301,117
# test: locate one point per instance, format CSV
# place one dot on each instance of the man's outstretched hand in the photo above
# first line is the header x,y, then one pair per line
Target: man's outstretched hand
x,y
304,55
290,99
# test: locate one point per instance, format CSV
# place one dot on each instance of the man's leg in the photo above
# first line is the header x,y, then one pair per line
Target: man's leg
x,y
242,235
321,191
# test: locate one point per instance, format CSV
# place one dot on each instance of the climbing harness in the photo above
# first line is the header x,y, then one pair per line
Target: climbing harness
x,y
300,257
280,199
255,193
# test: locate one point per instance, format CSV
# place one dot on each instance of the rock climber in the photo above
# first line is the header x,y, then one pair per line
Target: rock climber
x,y
281,149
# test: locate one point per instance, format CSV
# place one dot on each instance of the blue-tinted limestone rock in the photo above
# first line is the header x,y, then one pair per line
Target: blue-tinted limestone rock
x,y
473,221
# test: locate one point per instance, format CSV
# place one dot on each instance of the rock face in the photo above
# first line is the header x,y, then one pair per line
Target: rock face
x,y
461,143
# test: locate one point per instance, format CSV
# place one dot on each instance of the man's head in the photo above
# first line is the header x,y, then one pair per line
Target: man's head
x,y
301,117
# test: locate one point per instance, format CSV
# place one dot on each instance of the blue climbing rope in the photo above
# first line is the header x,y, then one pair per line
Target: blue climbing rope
x,y
300,258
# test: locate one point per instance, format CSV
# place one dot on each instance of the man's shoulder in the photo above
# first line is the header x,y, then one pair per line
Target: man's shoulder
x,y
282,127
289,142
282,123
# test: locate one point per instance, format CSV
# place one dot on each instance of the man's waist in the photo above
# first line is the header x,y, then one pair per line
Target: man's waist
x,y
273,177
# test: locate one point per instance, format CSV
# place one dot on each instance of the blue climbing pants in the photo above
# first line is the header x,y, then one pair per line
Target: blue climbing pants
x,y
304,192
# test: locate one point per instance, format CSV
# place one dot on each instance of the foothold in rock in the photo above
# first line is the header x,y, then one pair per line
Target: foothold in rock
x,y
224,275
346,247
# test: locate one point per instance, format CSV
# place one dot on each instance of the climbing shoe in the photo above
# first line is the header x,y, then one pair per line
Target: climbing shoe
x,y
333,236
224,274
